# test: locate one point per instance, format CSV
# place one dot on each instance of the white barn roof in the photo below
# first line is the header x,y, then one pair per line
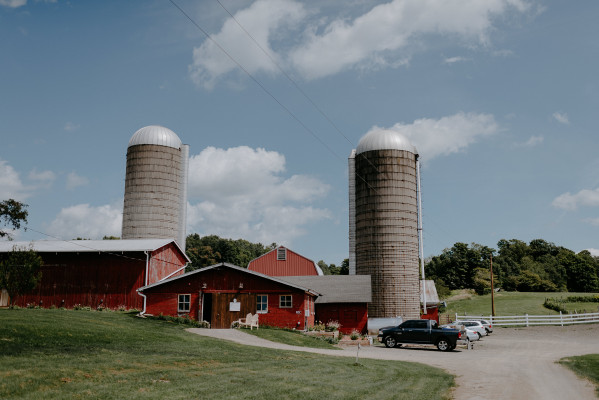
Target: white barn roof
x,y
89,246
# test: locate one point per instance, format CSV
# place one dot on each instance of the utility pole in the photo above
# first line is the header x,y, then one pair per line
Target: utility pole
x,y
492,289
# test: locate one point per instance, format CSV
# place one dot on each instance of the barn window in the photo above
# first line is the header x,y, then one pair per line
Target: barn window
x,y
184,302
262,303
285,301
281,254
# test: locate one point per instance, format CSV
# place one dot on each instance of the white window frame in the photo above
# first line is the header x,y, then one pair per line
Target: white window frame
x,y
281,305
281,254
259,311
183,300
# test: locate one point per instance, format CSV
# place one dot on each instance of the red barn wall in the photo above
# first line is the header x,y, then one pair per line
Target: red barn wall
x,y
164,262
351,316
294,265
223,281
88,279
432,313
94,279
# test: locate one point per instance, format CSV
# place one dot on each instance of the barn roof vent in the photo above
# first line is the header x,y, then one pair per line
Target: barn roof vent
x,y
281,254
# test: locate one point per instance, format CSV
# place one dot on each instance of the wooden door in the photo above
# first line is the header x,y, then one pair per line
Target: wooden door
x,y
222,317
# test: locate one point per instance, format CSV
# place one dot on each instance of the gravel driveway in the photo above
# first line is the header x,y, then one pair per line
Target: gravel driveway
x,y
511,363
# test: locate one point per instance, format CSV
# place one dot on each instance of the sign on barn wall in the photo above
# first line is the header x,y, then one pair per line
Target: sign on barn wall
x,y
234,305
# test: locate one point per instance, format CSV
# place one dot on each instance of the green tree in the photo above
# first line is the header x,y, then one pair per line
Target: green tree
x,y
456,266
12,214
211,249
332,269
20,271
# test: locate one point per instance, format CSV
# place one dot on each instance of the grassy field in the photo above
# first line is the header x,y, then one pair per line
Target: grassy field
x,y
585,366
510,303
60,354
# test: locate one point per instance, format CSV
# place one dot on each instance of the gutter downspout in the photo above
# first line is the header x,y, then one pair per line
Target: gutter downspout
x,y
420,245
145,282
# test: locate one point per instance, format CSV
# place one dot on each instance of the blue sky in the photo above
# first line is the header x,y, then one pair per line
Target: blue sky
x,y
499,96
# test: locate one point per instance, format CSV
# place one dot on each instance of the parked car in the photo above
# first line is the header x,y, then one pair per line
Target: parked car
x,y
487,325
468,334
420,332
476,326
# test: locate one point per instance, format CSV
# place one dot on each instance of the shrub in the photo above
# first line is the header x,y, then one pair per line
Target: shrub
x,y
355,335
318,326
332,326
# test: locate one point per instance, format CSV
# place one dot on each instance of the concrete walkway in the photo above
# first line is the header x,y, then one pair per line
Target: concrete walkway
x,y
511,363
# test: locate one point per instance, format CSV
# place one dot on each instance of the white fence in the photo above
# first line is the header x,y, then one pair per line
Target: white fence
x,y
528,320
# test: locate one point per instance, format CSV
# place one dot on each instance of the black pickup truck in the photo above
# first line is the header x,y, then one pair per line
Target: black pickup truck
x,y
419,331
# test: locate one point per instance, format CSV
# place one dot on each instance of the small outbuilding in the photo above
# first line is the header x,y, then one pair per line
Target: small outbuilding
x,y
428,294
343,298
223,293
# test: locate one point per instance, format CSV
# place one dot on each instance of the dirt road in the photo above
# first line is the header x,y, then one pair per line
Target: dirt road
x,y
511,363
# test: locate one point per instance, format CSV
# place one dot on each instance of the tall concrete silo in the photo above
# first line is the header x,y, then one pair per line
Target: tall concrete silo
x,y
156,186
384,230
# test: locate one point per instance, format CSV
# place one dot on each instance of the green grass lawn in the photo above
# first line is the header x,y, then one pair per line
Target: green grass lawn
x,y
294,338
511,303
59,354
585,366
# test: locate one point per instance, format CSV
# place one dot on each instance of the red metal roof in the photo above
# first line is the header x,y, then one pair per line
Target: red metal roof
x,y
293,265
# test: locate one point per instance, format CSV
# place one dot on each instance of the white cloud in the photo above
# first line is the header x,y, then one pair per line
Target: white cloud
x,y
594,252
74,180
240,193
585,197
394,26
453,60
13,3
447,135
592,221
42,178
87,222
532,141
69,127
383,37
11,186
262,19
562,118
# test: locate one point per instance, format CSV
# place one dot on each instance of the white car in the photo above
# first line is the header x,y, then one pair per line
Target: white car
x,y
476,326
487,325
470,334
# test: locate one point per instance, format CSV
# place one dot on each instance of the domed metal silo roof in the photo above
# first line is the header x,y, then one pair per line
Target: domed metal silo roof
x,y
382,139
155,134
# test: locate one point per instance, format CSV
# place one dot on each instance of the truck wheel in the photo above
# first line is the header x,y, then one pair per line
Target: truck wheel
x,y
390,342
443,344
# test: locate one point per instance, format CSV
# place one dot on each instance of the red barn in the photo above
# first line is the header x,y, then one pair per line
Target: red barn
x,y
223,293
284,262
99,272
343,298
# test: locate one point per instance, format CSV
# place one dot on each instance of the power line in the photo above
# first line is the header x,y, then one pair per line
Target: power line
x,y
209,37
272,96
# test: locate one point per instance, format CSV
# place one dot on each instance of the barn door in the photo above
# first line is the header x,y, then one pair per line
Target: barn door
x,y
222,316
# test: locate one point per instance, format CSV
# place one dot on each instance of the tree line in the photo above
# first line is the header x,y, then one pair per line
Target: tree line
x,y
538,266
204,251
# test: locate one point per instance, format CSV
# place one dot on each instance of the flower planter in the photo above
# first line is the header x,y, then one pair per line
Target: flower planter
x,y
334,334
347,341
